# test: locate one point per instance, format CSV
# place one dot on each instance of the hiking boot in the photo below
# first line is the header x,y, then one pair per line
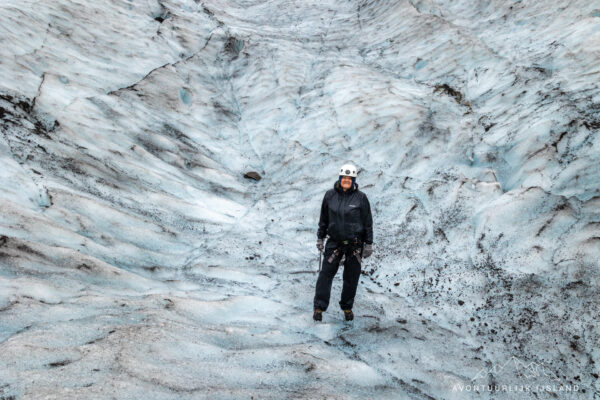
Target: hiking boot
x,y
318,315
349,315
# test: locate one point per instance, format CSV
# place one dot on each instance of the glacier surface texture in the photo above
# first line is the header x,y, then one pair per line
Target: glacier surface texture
x,y
137,260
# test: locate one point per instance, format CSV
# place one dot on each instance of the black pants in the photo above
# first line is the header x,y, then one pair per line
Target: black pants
x,y
329,269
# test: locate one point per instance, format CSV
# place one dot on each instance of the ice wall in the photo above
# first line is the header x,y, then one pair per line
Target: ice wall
x,y
135,257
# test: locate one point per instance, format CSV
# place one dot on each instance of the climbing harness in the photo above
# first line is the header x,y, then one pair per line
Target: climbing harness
x,y
342,247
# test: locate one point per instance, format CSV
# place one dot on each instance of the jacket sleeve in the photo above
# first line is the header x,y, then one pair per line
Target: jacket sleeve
x,y
324,219
367,221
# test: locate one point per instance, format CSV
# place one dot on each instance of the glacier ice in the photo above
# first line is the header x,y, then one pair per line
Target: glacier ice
x,y
137,261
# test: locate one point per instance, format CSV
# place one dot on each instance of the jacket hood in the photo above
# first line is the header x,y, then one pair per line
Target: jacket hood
x,y
339,189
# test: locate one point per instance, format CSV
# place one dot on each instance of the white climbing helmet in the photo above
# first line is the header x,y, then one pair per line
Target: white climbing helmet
x,y
348,170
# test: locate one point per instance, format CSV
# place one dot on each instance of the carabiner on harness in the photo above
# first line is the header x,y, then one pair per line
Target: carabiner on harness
x,y
343,246
333,255
356,253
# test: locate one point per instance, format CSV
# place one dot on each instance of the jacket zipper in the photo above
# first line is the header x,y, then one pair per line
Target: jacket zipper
x,y
345,196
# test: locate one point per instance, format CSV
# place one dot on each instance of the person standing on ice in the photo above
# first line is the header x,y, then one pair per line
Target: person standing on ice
x,y
346,218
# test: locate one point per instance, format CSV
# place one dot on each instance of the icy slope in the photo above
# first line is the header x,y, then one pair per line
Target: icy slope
x,y
136,258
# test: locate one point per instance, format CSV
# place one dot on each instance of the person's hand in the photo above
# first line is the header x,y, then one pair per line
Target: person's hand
x,y
320,244
367,250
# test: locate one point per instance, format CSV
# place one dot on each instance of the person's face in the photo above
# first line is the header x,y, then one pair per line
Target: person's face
x,y
346,182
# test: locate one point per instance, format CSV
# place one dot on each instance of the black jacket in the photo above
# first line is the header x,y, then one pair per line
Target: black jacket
x,y
346,215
